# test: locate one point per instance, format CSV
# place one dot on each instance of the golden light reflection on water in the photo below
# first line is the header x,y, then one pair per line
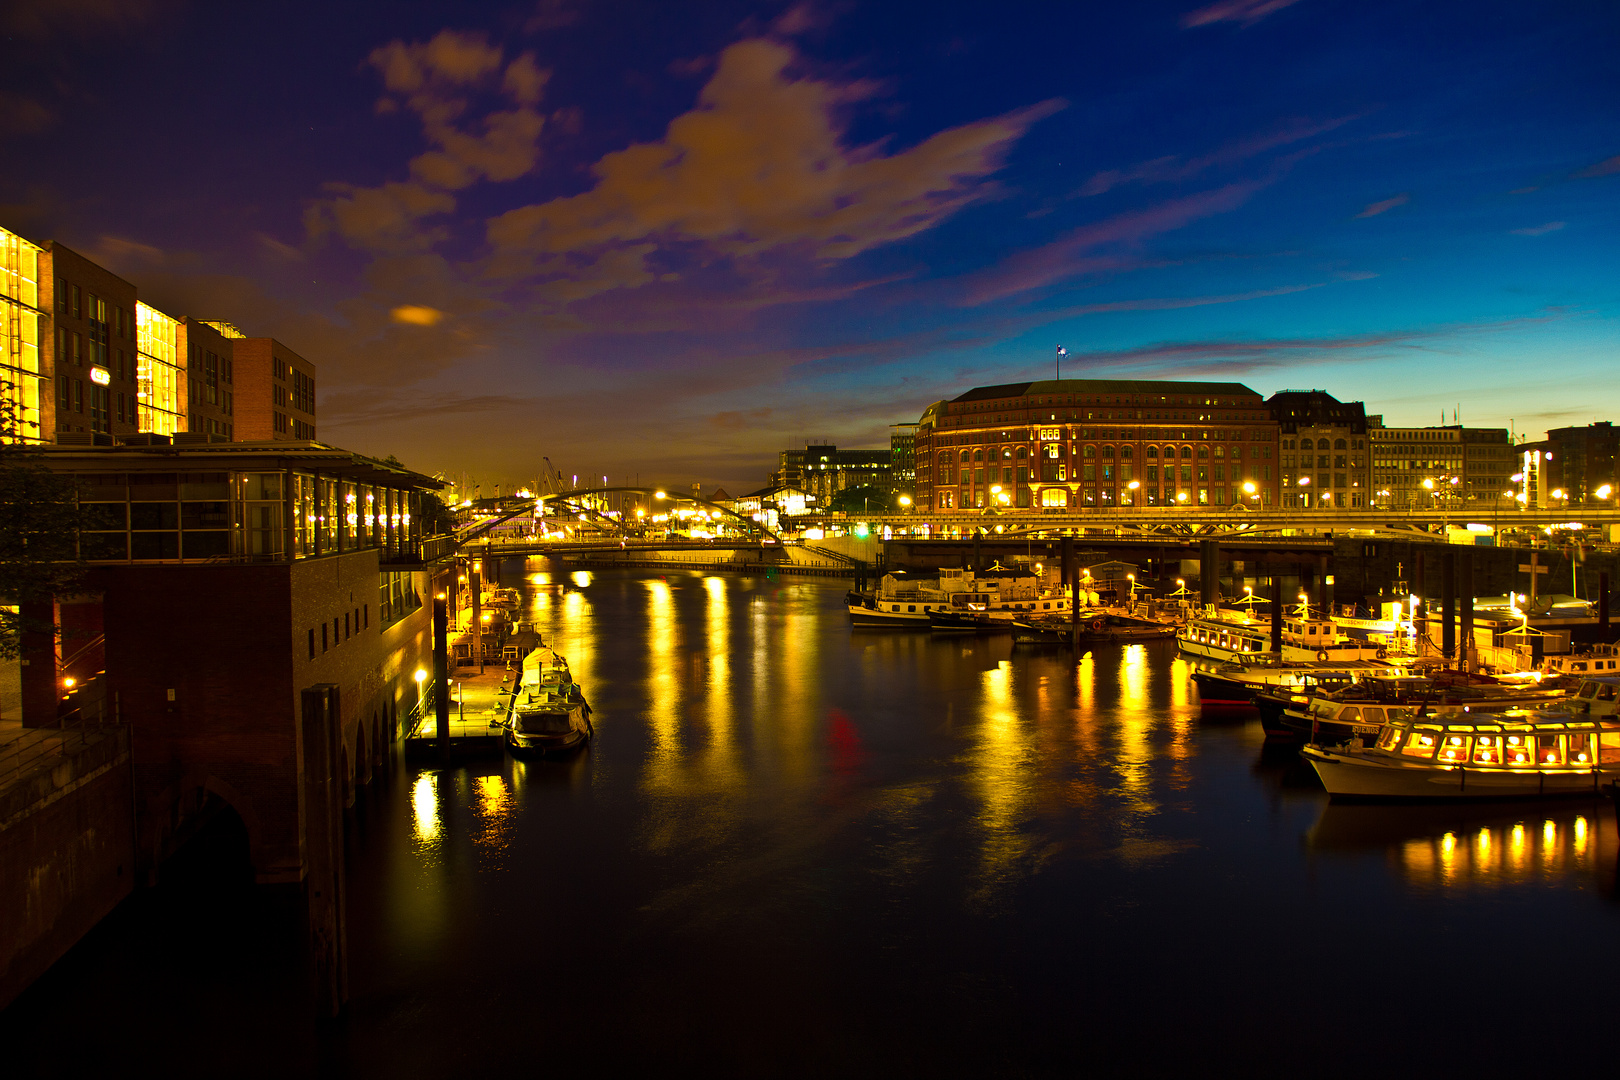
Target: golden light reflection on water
x,y
720,763
1438,848
493,806
1002,777
665,692
425,808
582,578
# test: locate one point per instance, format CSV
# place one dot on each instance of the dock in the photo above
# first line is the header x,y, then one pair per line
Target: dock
x,y
478,703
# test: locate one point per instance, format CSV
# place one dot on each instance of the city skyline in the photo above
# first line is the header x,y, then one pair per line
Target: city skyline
x,y
680,239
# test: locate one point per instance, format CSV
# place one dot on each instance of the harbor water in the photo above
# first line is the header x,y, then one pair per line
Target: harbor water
x,y
797,849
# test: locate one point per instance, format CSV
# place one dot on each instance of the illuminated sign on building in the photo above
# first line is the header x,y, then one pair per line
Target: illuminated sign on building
x,y
100,376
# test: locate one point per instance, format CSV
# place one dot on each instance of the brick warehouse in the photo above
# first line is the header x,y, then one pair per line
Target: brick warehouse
x,y
224,579
1096,443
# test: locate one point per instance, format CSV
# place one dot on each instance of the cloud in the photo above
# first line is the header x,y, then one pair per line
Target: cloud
x,y
1606,167
438,81
1383,206
740,421
350,410
277,248
125,254
22,115
416,315
1074,253
552,15
1247,12
759,165
1172,169
1538,230
42,19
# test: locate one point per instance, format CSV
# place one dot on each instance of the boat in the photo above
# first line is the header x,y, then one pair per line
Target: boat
x,y
548,712
1456,755
1235,683
904,600
1236,635
1356,712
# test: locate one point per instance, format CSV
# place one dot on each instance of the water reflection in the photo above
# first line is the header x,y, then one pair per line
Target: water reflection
x,y
493,806
1459,848
1003,775
425,807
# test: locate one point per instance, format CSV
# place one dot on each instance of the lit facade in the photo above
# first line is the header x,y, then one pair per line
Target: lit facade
x,y
1097,444
1420,468
21,321
161,376
1324,456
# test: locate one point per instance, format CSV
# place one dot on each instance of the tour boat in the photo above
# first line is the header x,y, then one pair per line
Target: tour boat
x,y
549,714
1237,683
1455,755
1357,712
904,600
1225,634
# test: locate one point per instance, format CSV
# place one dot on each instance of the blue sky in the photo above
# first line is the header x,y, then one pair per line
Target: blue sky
x,y
669,240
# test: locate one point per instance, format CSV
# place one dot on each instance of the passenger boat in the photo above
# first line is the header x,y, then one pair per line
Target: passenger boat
x,y
1599,660
1357,712
1515,755
1225,634
1236,683
549,713
907,601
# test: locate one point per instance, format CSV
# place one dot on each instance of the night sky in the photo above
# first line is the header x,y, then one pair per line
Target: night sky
x,y
670,239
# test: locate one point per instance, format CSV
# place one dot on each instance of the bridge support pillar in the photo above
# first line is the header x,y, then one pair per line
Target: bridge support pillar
x,y
1276,613
1068,573
1448,604
1420,612
978,562
1466,602
1209,572
441,676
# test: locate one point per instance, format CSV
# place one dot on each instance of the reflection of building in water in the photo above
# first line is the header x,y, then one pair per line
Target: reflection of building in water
x,y
1447,848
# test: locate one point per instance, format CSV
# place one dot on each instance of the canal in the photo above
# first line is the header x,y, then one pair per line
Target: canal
x,y
794,849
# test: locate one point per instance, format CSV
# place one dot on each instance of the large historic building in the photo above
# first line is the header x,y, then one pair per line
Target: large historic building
x,y
1419,468
1325,460
1097,443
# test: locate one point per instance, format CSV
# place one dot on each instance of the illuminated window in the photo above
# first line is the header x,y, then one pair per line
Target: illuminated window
x,y
1054,497
1421,744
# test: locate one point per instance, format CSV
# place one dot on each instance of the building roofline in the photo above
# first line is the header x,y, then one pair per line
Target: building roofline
x,y
247,455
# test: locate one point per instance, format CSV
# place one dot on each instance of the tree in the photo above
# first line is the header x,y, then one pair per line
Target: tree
x,y
39,533
394,461
436,517
865,499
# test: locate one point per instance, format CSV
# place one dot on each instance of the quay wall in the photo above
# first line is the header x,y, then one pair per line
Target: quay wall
x,y
67,853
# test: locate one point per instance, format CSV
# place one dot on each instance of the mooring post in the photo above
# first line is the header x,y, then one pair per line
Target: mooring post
x,y
441,676
324,884
1209,572
1466,603
1603,608
1276,614
1448,604
978,563
1420,610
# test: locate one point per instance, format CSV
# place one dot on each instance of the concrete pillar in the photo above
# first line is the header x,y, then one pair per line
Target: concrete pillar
x,y
1448,604
1466,604
1420,614
978,563
1068,572
1276,614
476,584
324,883
1209,572
41,691
441,676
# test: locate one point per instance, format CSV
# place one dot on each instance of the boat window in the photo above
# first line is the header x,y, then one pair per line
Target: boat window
x,y
1351,715
1608,747
1588,690
1577,667
1605,691
1421,744
1580,748
1516,749
1488,750
1388,736
1372,716
911,607
1549,749
1400,713
1325,710
1454,748
542,723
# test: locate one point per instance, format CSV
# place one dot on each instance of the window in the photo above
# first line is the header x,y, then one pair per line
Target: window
x,y
1054,497
323,637
312,643
345,625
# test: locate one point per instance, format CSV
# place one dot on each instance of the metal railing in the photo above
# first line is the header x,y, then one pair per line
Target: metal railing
x,y
36,747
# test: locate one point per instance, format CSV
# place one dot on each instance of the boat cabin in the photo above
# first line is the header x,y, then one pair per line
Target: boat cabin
x,y
1523,740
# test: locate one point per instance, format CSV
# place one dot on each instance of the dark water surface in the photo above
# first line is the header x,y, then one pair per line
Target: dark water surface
x,y
796,849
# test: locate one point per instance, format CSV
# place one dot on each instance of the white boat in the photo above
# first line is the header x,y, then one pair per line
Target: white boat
x,y
1519,754
1238,636
905,600
549,713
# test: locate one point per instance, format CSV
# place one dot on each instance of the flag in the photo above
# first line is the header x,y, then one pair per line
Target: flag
x,y
1062,351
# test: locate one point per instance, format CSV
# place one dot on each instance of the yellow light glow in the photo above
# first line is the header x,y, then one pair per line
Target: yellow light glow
x,y
420,676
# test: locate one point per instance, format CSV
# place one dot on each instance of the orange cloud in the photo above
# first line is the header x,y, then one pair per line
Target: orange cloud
x,y
760,164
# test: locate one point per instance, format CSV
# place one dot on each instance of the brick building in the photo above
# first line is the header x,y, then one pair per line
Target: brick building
x,y
210,380
1325,460
1578,461
224,579
90,353
1092,444
275,391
